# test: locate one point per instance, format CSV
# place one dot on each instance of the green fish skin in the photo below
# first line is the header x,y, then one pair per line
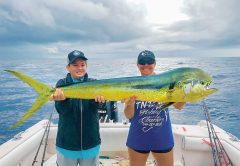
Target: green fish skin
x,y
178,85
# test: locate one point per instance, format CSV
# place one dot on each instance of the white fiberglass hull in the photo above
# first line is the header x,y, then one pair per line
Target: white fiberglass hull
x,y
192,145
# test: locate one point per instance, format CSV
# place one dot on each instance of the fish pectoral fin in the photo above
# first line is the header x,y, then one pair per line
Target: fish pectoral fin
x,y
170,91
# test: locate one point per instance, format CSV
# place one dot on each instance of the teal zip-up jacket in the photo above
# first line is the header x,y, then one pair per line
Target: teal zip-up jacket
x,y
78,126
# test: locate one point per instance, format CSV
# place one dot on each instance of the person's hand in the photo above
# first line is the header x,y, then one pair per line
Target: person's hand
x,y
129,101
179,105
58,95
100,99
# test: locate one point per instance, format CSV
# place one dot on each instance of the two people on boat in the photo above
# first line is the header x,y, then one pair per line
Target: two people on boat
x,y
78,138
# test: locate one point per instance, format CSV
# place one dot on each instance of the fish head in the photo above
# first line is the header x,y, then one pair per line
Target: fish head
x,y
195,84
198,89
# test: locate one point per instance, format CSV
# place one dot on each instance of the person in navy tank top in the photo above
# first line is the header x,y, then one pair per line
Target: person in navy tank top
x,y
150,129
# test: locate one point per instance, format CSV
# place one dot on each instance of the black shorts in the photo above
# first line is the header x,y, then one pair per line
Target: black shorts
x,y
154,151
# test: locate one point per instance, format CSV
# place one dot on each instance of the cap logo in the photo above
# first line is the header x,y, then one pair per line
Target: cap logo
x,y
143,54
76,53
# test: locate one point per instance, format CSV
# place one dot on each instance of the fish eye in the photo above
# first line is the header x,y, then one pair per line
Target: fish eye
x,y
202,82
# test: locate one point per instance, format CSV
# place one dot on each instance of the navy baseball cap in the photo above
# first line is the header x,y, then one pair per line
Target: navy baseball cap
x,y
72,56
146,57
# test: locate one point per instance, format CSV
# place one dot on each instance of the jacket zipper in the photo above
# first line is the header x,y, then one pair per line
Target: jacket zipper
x,y
81,123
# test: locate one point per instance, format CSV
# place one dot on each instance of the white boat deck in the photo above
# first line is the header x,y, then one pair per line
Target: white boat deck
x,y
102,162
118,161
192,146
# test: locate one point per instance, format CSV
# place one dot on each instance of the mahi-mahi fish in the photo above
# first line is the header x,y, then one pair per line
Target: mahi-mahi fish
x,y
177,85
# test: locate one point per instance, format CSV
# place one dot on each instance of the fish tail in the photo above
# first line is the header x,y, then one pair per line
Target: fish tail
x,y
44,92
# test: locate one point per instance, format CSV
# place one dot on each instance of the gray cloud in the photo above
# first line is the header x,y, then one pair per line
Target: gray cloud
x,y
58,20
116,28
212,24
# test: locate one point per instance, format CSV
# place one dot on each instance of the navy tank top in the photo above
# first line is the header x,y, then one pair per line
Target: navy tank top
x,y
150,127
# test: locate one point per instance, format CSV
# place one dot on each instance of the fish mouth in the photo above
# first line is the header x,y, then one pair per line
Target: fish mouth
x,y
207,87
203,94
210,90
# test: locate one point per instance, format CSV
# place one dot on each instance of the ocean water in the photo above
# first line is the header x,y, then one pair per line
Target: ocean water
x,y
16,97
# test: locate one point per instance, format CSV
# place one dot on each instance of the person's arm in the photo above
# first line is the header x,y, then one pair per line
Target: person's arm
x,y
129,106
179,105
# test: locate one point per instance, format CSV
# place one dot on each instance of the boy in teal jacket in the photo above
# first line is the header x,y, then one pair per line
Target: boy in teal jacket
x,y
78,138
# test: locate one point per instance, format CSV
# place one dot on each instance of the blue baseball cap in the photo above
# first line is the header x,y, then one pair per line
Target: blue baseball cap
x,y
72,56
146,57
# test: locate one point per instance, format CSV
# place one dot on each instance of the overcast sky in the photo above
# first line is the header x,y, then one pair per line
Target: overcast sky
x,y
108,28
